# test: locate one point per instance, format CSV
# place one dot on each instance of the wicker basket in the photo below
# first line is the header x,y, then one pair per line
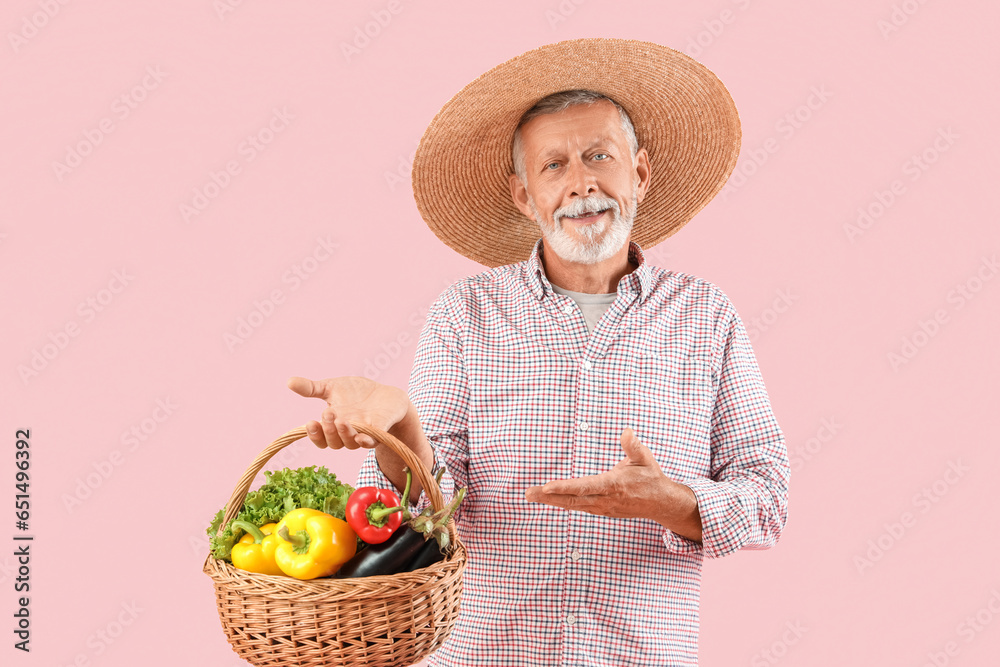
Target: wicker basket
x,y
393,619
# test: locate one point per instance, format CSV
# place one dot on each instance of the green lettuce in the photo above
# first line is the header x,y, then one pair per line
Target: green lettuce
x,y
283,491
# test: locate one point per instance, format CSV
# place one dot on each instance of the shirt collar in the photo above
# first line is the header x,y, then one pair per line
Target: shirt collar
x,y
638,281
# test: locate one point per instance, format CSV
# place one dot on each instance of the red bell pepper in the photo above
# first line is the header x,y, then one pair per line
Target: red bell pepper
x,y
374,514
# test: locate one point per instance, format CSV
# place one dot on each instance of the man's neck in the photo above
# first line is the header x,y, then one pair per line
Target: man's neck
x,y
600,278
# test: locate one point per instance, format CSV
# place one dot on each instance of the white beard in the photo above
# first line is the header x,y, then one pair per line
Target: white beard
x,y
594,248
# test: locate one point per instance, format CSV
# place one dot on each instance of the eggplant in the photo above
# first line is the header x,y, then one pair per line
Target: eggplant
x,y
387,557
429,554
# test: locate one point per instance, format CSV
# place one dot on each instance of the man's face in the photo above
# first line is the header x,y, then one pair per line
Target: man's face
x,y
583,185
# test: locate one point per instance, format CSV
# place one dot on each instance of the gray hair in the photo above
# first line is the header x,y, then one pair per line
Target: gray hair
x,y
557,102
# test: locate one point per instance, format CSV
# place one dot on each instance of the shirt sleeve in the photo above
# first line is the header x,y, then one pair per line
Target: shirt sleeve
x,y
743,502
439,391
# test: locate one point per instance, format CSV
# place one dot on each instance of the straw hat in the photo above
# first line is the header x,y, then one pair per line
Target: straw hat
x,y
683,116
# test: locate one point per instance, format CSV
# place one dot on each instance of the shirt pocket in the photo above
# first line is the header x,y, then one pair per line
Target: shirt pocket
x,y
672,400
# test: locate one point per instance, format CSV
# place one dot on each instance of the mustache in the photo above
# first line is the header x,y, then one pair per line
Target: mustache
x,y
587,205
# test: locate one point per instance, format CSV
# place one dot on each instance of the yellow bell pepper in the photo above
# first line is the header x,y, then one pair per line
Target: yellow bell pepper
x,y
255,550
313,544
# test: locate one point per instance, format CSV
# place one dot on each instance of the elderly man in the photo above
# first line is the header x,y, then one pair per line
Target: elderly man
x,y
606,416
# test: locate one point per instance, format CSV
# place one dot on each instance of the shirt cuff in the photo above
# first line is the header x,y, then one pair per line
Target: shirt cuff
x,y
679,544
724,521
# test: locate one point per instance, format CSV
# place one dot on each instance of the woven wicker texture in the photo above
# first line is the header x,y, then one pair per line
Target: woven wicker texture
x,y
386,620
683,116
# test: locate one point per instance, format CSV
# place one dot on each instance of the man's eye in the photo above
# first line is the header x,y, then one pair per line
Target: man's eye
x,y
601,156
551,164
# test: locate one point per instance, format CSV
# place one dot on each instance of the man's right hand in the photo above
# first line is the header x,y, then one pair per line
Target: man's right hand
x,y
382,406
350,398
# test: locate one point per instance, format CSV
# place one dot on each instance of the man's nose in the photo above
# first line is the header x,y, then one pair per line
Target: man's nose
x,y
582,182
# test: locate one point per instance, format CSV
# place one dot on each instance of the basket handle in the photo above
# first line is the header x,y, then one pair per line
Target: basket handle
x,y
431,488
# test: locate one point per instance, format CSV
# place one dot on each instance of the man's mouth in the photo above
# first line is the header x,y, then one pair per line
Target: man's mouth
x,y
586,217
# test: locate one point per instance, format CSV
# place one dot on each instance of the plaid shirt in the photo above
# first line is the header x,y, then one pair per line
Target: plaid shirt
x,y
512,392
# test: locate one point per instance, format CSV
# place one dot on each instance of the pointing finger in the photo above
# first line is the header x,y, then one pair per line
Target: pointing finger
x,y
635,450
306,387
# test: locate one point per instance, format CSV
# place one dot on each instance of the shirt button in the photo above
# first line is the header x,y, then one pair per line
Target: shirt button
x,y
576,555
568,310
587,365
584,426
570,619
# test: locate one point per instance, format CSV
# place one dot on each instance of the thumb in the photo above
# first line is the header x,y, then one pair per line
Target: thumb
x,y
306,387
634,450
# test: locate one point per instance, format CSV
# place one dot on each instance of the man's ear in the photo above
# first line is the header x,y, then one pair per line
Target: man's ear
x,y
643,172
520,196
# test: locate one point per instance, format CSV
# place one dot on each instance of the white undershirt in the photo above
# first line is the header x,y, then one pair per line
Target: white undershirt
x,y
591,305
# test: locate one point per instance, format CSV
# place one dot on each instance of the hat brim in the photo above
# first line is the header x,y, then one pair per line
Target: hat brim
x,y
683,116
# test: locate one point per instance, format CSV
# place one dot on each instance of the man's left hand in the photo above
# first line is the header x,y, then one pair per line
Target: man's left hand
x,y
635,488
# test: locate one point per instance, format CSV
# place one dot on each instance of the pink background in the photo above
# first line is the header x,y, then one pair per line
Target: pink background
x,y
887,555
